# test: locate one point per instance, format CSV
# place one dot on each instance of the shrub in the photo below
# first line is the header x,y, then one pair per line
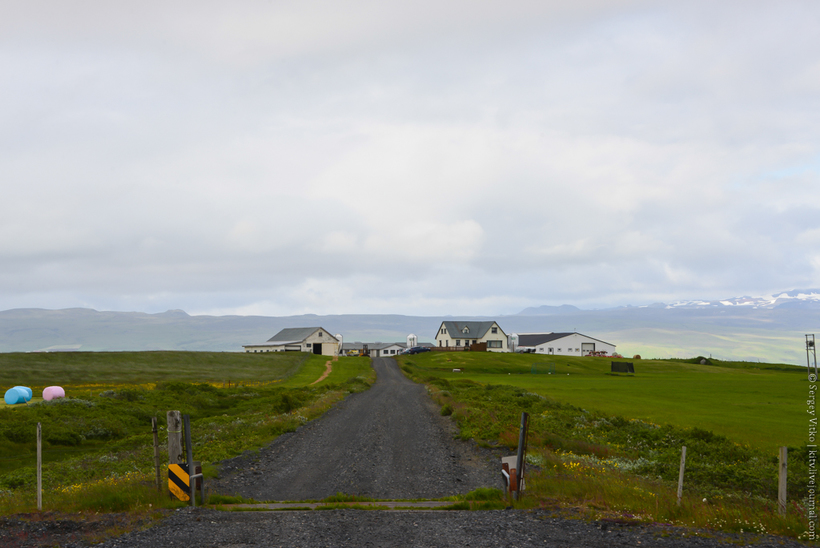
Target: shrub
x,y
63,437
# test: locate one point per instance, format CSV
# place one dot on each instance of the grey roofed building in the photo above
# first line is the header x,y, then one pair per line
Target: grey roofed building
x,y
459,335
571,344
534,339
376,349
316,340
353,346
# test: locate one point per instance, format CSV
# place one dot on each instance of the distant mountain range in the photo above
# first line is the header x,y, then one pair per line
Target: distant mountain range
x,y
769,329
798,298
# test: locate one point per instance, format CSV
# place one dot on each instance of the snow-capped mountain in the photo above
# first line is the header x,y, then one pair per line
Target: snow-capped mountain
x,y
798,298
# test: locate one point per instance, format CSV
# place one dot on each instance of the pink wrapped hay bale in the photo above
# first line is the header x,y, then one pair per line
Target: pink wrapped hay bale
x,y
53,392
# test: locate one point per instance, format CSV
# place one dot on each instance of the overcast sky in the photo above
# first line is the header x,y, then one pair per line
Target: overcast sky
x,y
424,157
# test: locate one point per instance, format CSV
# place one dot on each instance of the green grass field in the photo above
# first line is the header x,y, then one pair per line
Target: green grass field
x,y
609,445
101,431
762,405
87,368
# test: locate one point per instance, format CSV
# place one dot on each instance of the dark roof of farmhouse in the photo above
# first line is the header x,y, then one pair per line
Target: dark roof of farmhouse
x,y
475,330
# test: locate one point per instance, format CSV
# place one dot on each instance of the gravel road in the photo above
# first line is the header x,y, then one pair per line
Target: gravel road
x,y
357,528
388,442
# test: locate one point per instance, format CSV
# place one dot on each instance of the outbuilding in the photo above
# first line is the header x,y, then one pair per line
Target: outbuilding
x,y
315,340
563,344
381,350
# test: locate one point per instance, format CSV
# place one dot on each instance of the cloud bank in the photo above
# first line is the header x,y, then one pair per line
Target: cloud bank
x,y
408,157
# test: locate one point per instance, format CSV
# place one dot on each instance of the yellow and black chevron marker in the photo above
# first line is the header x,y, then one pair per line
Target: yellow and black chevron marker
x,y
179,481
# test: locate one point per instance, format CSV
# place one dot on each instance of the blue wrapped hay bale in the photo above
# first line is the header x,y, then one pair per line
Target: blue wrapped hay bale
x,y
27,391
15,395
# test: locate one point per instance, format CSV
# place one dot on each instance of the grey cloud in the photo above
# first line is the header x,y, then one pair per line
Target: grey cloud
x,y
276,157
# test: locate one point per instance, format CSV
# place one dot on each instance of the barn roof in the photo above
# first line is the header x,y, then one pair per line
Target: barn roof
x,y
534,339
295,334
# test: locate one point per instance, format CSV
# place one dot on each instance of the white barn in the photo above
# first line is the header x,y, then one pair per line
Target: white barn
x,y
315,340
457,335
563,344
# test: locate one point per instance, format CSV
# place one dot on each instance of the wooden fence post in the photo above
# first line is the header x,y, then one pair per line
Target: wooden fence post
x,y
156,451
521,456
39,466
680,474
781,481
174,437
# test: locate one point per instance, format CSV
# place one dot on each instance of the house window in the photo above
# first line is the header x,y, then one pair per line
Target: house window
x,y
443,330
458,342
495,330
308,345
320,333
439,342
473,342
465,330
494,344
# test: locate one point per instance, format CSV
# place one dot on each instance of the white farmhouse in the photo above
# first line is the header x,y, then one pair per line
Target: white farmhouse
x,y
458,335
563,344
315,340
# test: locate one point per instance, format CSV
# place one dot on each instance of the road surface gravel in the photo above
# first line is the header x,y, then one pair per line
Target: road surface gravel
x,y
361,528
387,442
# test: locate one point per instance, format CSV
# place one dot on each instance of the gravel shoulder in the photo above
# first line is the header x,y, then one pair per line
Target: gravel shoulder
x,y
357,528
387,442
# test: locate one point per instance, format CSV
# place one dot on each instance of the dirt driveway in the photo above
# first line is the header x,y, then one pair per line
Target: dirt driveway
x,y
387,442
